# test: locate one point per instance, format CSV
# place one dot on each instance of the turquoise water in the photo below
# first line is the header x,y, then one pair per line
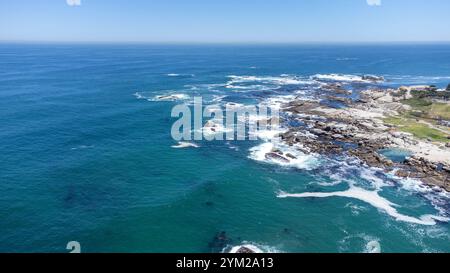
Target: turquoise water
x,y
396,155
86,153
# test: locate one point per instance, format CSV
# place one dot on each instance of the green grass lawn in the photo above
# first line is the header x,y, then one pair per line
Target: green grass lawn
x,y
417,129
430,110
441,110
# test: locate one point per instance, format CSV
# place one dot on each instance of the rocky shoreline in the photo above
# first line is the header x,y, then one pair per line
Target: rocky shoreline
x,y
359,130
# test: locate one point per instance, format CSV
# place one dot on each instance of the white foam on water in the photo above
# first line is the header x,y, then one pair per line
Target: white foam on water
x,y
374,199
82,147
232,147
268,135
140,96
179,75
437,196
281,80
169,96
278,101
233,105
183,144
415,185
302,161
252,120
330,184
373,247
214,127
346,59
414,79
256,248
253,248
254,87
218,98
369,175
355,209
340,78
208,86
371,244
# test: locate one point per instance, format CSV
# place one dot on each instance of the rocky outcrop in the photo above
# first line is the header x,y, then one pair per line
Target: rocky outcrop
x,y
373,78
359,131
244,250
277,156
336,88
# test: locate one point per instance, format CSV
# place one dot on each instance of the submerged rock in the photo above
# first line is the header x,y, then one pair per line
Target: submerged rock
x,y
244,249
402,173
373,78
291,156
275,156
219,242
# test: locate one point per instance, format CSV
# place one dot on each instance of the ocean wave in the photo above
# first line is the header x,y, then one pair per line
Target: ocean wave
x,y
345,78
218,98
253,87
355,209
170,96
417,80
374,199
231,146
179,75
280,80
418,77
268,135
369,244
214,127
82,147
348,170
293,159
206,87
276,102
253,247
436,196
183,144
346,59
373,247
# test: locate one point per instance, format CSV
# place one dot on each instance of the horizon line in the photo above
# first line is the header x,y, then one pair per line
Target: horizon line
x,y
220,42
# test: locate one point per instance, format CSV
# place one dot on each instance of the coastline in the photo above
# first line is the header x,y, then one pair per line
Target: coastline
x,y
360,130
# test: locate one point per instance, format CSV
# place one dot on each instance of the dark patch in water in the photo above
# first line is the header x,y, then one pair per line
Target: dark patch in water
x,y
69,198
219,242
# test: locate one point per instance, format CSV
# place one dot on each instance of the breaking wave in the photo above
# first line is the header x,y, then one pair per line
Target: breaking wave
x,y
345,78
290,157
374,199
170,96
254,247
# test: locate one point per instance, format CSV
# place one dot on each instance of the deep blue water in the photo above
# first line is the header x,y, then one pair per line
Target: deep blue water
x,y
84,159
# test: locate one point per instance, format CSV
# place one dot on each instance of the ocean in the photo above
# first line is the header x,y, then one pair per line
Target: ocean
x,y
87,156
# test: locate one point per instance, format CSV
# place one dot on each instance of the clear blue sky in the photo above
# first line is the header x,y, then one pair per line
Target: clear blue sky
x,y
224,20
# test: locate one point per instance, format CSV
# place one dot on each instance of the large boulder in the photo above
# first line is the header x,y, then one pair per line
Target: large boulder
x,y
373,78
277,157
